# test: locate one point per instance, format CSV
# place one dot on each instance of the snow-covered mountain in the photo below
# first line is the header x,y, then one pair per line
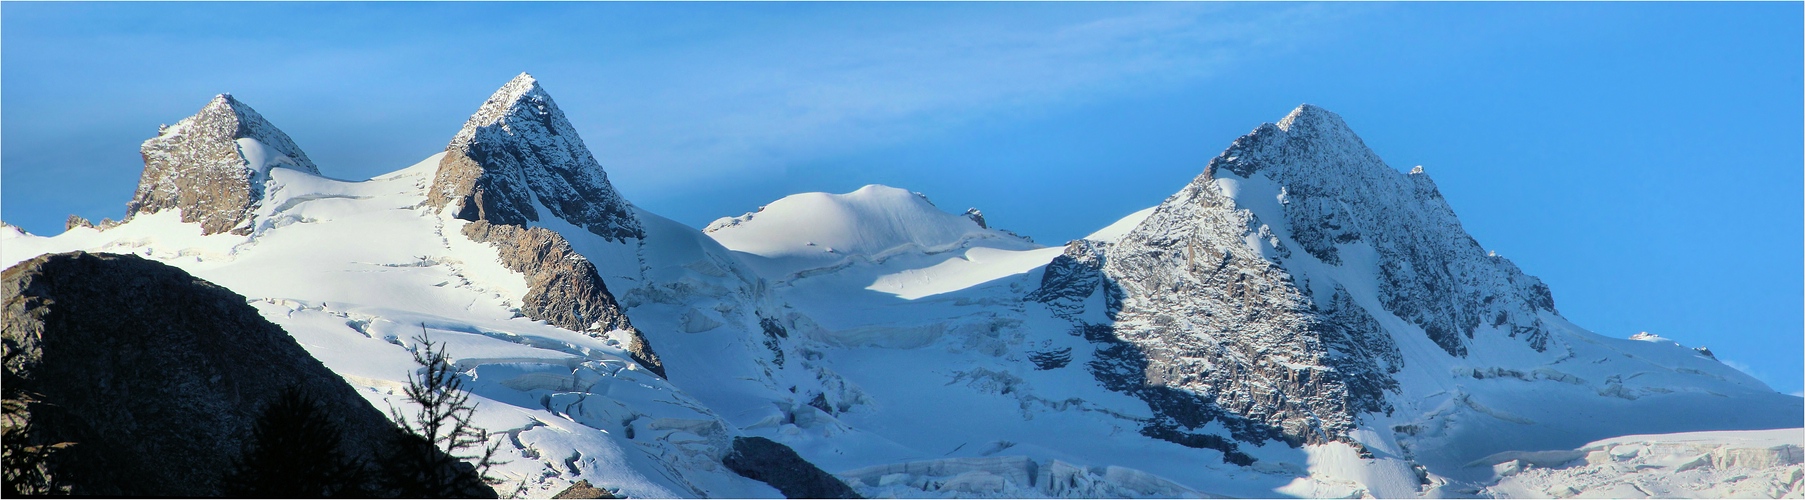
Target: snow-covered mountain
x,y
1301,319
818,233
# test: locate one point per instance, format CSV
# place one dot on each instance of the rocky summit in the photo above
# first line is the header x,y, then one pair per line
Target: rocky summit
x,y
1300,319
212,166
515,154
518,154
1231,299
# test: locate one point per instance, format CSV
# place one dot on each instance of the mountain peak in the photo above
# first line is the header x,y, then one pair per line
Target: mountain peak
x,y
1313,120
1310,115
212,165
523,90
872,220
518,155
1334,192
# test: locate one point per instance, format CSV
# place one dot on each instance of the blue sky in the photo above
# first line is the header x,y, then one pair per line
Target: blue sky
x,y
1643,159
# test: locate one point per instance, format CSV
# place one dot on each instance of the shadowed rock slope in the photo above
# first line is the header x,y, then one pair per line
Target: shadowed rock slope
x,y
155,375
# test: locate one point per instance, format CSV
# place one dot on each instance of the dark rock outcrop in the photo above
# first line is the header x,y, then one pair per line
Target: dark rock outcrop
x,y
213,166
155,375
563,288
779,466
976,216
582,489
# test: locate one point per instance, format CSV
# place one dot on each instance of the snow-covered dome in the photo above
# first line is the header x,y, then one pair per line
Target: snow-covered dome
x,y
873,221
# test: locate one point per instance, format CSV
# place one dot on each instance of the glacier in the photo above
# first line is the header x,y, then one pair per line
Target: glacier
x,y
1300,320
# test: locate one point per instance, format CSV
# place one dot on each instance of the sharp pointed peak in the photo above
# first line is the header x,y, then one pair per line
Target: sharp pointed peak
x,y
226,101
1310,116
522,90
549,164
517,88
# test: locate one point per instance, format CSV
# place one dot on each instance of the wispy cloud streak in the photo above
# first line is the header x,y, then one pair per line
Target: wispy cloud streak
x,y
825,91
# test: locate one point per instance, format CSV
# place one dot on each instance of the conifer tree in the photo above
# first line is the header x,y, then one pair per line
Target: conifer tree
x,y
439,453
295,452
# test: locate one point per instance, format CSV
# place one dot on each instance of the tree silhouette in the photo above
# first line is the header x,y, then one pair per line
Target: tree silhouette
x,y
295,452
431,450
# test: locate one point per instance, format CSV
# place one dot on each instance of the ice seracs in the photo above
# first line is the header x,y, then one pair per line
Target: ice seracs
x,y
1299,320
212,166
1711,464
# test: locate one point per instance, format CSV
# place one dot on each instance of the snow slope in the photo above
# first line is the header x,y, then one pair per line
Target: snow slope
x,y
354,269
916,353
1021,377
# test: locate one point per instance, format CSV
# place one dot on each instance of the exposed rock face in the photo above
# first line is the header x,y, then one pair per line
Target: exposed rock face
x,y
156,375
213,165
779,466
518,153
1209,312
563,288
519,148
1432,273
976,216
582,489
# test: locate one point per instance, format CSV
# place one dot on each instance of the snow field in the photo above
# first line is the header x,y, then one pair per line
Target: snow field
x,y
889,342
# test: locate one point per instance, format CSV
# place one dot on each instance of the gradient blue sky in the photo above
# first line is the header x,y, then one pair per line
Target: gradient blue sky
x,y
1643,159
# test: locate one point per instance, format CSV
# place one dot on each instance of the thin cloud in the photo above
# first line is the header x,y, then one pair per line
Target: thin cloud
x,y
1748,370
824,92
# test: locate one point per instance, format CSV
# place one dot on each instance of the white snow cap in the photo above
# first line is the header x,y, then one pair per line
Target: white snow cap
x,y
869,221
